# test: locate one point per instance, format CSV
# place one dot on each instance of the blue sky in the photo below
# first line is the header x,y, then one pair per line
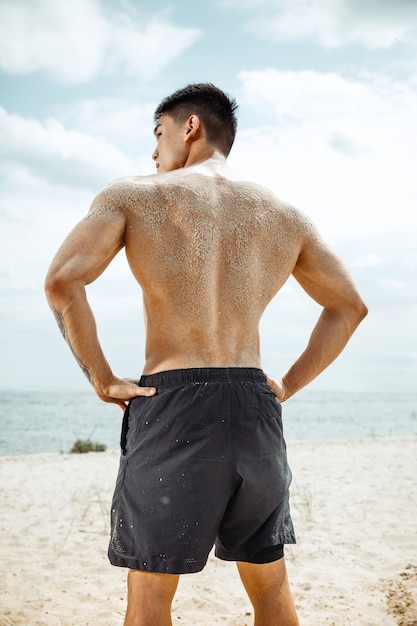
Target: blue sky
x,y
328,120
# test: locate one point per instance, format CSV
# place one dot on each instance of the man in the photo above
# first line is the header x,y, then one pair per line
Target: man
x,y
203,456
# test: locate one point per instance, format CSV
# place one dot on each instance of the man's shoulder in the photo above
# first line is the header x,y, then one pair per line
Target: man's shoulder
x,y
128,183
268,196
148,184
118,194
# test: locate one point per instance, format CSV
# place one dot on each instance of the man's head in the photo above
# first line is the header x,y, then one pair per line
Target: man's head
x,y
214,109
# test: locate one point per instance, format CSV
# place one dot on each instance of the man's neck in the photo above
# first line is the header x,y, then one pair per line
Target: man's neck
x,y
208,157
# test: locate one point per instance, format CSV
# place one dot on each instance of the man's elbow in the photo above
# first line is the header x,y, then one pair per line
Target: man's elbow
x,y
359,311
52,289
57,288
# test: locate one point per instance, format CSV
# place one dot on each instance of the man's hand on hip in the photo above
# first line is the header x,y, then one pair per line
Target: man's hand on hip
x,y
278,387
121,390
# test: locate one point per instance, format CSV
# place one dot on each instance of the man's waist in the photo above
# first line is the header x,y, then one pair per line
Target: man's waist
x,y
202,375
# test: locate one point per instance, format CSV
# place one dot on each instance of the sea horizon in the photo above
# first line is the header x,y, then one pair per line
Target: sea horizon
x,y
39,422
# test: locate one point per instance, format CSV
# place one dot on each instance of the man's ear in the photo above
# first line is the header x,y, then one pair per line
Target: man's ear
x,y
193,127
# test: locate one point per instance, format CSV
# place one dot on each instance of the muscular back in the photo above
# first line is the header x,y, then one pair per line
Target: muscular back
x,y
209,252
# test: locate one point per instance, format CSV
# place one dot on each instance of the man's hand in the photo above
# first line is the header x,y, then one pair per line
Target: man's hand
x,y
121,390
278,387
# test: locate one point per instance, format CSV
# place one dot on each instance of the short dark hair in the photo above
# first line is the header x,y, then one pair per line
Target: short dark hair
x,y
215,108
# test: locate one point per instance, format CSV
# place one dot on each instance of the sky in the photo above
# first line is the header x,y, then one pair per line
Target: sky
x,y
327,94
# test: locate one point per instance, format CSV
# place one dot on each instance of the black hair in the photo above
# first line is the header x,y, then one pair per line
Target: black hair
x,y
215,108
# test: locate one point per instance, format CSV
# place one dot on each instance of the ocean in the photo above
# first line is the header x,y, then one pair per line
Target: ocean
x,y
32,423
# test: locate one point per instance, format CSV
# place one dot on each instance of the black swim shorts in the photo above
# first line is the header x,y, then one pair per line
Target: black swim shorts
x,y
203,462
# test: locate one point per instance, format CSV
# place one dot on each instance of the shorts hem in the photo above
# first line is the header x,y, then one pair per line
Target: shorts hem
x,y
271,558
157,566
268,554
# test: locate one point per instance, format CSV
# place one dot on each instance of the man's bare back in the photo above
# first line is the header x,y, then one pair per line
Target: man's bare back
x,y
209,251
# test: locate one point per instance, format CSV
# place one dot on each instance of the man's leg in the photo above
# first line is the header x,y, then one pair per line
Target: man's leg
x,y
268,590
149,598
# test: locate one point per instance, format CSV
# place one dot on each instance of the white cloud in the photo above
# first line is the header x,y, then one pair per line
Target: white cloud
x,y
144,50
344,150
333,23
109,117
68,40
59,155
75,41
392,283
299,96
36,216
368,260
125,123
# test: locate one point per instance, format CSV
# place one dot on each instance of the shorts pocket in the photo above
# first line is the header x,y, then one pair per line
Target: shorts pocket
x,y
125,428
269,405
133,419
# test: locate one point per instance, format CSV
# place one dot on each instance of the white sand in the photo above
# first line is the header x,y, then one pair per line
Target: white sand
x,y
354,505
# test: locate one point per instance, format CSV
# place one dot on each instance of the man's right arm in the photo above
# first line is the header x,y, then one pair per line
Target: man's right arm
x,y
82,258
325,279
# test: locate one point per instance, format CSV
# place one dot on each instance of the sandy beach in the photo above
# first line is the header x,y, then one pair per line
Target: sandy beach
x,y
354,506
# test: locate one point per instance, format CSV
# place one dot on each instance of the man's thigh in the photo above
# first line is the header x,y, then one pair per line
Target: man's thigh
x,y
143,586
258,577
149,598
269,591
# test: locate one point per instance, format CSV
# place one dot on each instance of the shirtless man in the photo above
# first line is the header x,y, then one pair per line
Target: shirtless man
x,y
203,457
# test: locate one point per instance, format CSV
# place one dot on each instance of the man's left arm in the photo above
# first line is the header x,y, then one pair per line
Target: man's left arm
x,y
82,258
326,280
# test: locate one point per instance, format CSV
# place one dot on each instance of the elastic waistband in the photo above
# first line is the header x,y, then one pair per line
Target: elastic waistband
x,y
203,375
